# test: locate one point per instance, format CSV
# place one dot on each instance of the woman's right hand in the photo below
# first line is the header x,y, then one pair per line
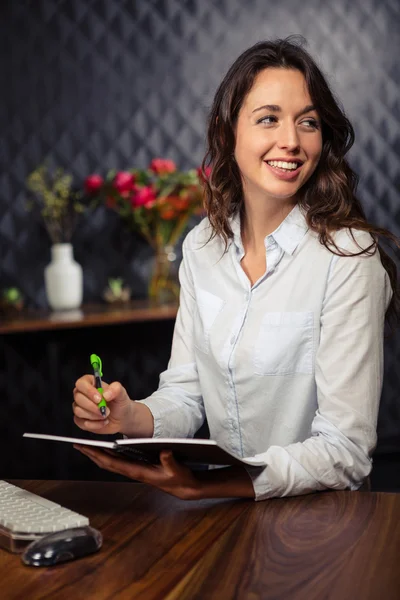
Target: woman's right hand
x,y
87,415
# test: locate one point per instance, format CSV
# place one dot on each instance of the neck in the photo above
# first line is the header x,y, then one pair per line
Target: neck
x,y
258,222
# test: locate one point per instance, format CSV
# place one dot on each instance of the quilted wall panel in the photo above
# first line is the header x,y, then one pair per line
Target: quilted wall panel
x,y
100,84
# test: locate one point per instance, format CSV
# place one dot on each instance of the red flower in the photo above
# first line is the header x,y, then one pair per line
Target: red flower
x,y
93,184
124,183
204,175
168,214
143,196
161,166
179,203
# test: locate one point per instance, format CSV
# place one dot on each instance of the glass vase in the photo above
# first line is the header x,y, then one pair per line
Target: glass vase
x,y
164,282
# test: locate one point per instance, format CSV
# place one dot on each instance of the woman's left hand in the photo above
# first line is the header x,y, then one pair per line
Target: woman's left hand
x,y
169,476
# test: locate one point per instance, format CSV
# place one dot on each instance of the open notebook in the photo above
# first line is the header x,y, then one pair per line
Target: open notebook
x,y
194,451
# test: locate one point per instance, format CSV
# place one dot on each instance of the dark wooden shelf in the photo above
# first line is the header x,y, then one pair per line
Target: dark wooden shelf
x,y
90,315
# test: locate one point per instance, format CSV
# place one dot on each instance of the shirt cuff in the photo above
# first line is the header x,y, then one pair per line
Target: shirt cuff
x,y
160,431
261,484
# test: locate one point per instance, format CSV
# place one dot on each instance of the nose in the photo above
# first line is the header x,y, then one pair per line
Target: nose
x,y
288,138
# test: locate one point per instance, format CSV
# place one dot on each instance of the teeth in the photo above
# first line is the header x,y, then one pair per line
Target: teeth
x,y
291,166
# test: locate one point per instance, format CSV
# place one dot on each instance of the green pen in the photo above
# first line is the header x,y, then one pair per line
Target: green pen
x,y
95,361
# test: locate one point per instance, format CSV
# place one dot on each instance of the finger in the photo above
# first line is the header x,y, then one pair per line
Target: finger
x,y
83,403
88,425
113,391
113,464
96,458
168,462
85,386
110,462
84,383
90,413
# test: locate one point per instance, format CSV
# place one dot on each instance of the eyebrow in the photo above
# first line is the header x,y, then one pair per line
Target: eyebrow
x,y
276,108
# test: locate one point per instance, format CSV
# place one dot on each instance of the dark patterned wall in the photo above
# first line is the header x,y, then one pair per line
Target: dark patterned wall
x,y
100,84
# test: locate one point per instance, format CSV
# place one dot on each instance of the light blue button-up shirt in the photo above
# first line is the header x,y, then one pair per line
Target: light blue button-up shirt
x,y
288,370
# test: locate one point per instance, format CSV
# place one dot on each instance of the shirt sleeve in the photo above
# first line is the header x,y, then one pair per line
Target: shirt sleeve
x,y
177,405
349,377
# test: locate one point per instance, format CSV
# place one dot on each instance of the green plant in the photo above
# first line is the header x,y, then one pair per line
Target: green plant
x,y
116,291
57,203
12,298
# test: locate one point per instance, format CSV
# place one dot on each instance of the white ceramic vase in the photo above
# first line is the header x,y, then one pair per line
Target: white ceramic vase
x,y
63,279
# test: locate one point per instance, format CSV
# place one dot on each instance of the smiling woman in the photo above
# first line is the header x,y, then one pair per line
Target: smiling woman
x,y
284,291
277,142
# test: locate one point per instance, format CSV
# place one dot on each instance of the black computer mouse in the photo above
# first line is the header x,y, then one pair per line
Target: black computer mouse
x,y
61,546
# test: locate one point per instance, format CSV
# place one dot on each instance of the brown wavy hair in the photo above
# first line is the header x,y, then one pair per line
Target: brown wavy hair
x,y
328,197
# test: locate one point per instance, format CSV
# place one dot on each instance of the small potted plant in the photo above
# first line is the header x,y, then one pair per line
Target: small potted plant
x,y
116,292
11,301
59,207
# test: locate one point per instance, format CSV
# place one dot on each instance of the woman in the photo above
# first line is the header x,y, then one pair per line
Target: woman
x,y
279,336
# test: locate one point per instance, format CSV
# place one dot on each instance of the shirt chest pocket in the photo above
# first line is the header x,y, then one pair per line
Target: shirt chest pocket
x,y
285,343
208,307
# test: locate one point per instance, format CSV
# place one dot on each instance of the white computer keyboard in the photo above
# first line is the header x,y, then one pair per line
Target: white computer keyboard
x,y
25,516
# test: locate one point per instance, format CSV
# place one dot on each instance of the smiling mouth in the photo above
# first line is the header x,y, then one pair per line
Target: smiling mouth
x,y
284,166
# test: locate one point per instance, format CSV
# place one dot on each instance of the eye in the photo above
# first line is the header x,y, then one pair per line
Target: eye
x,y
268,120
310,123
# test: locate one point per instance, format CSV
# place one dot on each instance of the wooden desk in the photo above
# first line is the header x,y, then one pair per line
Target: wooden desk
x,y
343,545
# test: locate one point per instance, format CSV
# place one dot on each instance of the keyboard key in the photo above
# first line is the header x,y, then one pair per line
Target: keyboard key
x,y
25,516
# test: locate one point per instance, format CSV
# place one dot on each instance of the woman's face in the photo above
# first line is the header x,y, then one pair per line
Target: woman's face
x,y
278,136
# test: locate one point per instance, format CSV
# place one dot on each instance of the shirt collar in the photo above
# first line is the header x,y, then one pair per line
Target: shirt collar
x,y
288,235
